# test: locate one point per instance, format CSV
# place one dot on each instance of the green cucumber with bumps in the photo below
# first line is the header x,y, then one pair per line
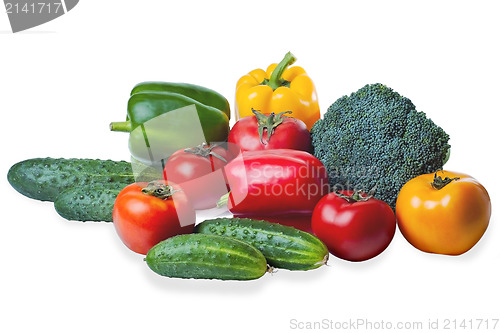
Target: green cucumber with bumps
x,y
45,178
200,256
88,203
283,246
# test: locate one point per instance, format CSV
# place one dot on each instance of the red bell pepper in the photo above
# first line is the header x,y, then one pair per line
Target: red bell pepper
x,y
275,182
298,221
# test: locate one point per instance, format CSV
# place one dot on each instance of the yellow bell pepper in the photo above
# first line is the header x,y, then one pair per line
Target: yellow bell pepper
x,y
280,88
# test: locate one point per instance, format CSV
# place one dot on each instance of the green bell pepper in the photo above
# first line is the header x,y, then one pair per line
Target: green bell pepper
x,y
165,117
201,94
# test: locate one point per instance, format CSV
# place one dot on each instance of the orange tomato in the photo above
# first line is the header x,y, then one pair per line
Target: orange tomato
x,y
444,213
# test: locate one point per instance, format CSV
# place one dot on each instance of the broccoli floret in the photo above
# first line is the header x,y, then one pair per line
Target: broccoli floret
x,y
376,139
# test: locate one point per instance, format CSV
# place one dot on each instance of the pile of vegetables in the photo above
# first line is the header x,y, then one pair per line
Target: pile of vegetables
x,y
299,187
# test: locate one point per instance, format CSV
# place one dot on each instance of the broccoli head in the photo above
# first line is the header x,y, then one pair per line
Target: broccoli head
x,y
376,139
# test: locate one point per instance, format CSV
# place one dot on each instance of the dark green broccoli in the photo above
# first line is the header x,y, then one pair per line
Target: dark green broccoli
x,y
376,139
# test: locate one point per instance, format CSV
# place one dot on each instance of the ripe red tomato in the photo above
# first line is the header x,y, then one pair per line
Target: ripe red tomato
x,y
145,214
270,131
354,230
199,173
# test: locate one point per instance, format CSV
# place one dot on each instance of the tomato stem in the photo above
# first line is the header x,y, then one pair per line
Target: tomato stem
x,y
205,150
356,196
268,122
438,182
159,190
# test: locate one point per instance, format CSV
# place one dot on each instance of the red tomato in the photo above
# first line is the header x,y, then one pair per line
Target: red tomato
x,y
199,172
145,214
353,230
270,131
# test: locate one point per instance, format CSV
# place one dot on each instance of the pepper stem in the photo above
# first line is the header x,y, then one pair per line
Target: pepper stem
x,y
438,182
223,200
268,122
276,81
120,126
159,190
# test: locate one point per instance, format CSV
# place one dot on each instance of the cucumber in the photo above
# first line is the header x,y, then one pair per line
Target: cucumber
x,y
283,246
45,178
88,203
200,256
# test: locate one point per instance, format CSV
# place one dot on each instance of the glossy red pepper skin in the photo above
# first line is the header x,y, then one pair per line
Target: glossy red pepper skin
x,y
275,182
298,221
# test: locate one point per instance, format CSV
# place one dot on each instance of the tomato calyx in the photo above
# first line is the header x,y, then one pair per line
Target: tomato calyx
x,y
159,190
205,150
356,196
268,122
438,182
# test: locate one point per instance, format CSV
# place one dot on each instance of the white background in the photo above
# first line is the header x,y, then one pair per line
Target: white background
x,y
63,82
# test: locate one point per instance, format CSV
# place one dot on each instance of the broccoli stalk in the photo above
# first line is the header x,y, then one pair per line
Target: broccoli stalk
x,y
375,138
